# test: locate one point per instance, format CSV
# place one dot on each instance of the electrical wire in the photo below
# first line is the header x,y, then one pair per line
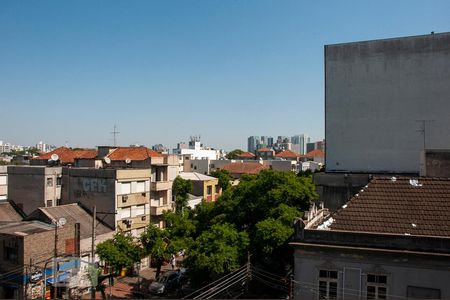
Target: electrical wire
x,y
222,283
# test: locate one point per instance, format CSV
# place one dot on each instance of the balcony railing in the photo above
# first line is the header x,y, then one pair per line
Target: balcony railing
x,y
158,210
133,223
160,185
133,199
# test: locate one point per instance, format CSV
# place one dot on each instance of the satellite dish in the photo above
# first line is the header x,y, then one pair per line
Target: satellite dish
x,y
107,160
62,221
54,157
128,160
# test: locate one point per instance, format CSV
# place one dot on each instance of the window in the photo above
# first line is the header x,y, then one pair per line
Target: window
x,y
376,286
209,190
217,189
140,187
58,181
11,254
49,203
328,284
125,188
49,182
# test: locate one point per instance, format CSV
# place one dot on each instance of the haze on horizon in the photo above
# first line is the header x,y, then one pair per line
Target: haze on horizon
x,y
164,70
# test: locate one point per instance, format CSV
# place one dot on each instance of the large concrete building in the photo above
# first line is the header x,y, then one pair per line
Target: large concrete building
x,y
31,187
385,101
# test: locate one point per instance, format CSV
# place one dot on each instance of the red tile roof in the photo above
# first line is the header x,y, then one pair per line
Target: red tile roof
x,y
68,156
314,153
133,153
246,155
244,168
264,150
398,206
287,154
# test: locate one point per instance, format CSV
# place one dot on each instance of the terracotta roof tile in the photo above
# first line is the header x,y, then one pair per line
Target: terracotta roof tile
x,y
133,153
399,207
244,168
67,155
287,154
246,155
264,150
314,153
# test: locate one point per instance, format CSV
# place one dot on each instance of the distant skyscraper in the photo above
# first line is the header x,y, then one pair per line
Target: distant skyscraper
x,y
269,141
253,142
301,140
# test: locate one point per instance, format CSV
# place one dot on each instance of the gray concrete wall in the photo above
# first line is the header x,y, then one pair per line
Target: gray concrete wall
x,y
91,187
27,186
374,93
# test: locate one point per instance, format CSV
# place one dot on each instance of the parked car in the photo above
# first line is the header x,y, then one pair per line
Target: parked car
x,y
168,282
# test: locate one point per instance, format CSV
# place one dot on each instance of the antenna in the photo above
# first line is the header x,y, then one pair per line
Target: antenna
x,y
423,130
114,133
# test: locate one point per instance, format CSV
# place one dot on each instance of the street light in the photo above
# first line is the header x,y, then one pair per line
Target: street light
x,y
60,222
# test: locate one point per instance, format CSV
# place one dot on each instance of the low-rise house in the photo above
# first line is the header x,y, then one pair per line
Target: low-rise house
x,y
315,155
238,169
390,241
246,156
75,213
26,255
265,154
203,185
288,155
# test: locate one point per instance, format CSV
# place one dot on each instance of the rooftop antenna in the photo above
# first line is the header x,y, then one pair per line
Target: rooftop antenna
x,y
114,133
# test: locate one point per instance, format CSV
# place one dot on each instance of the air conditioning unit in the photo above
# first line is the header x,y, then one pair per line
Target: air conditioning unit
x,y
124,198
144,194
143,218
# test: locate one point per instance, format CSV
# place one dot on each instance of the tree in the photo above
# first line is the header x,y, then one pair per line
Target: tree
x,y
119,252
180,189
233,154
155,243
180,230
218,250
224,178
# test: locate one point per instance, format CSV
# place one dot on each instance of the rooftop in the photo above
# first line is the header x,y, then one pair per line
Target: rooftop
x,y
133,153
247,155
68,156
287,154
194,176
264,150
8,213
244,168
397,205
24,228
73,213
315,153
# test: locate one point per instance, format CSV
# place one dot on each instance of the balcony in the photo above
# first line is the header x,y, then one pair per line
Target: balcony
x,y
133,199
133,223
160,185
158,210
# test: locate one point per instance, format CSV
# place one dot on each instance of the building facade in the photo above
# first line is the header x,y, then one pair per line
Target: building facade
x,y
30,187
3,183
385,101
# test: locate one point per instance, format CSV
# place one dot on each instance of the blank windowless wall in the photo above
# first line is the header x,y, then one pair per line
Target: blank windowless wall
x,y
375,93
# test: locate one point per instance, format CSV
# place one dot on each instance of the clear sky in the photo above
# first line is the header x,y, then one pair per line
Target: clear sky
x,y
165,70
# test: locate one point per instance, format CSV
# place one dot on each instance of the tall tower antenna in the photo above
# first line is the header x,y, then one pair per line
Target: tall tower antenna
x,y
114,133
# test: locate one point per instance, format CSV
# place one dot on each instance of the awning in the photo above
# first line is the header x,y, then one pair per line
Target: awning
x,y
61,278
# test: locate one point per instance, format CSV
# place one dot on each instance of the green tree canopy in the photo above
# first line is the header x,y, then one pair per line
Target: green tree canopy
x,y
120,251
224,178
218,250
180,190
233,154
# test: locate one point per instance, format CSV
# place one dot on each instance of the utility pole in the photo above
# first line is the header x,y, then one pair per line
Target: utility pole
x,y
114,133
94,217
55,264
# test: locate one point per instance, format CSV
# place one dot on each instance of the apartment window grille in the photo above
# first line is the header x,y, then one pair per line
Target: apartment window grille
x,y
328,280
376,286
49,182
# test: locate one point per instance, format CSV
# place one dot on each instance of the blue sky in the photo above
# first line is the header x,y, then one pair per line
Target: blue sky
x,y
165,70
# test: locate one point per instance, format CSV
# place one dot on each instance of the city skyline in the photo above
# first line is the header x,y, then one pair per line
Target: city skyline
x,y
162,71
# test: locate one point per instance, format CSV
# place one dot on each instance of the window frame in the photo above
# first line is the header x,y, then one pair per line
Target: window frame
x,y
377,285
329,280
